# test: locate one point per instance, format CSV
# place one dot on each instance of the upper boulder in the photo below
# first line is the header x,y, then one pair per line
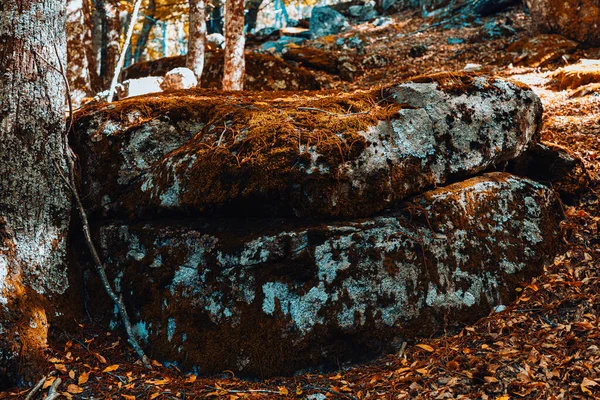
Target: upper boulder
x,y
336,156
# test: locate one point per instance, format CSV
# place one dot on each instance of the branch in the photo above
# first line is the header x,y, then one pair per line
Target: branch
x,y
53,393
113,84
70,182
37,387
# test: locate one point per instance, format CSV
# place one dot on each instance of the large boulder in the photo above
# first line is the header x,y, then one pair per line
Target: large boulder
x,y
344,155
264,296
326,21
577,20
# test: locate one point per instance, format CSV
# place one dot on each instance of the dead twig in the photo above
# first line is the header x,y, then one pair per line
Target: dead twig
x,y
53,393
334,392
402,350
38,386
234,391
70,182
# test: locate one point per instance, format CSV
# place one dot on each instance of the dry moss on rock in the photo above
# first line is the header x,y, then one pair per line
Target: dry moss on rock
x,y
303,154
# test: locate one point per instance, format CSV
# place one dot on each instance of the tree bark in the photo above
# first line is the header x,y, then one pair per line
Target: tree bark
x,y
110,40
197,38
233,77
216,17
119,65
252,14
147,26
34,203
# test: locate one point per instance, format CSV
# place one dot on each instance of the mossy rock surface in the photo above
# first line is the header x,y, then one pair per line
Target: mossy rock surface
x,y
338,155
269,296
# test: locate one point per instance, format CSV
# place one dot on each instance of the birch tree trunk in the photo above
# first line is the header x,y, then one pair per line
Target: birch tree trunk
x,y
197,39
147,26
233,77
34,203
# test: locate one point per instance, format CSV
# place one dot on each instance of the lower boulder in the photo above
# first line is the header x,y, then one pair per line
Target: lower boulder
x,y
266,296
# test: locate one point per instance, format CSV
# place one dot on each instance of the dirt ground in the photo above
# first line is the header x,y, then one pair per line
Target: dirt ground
x,y
545,345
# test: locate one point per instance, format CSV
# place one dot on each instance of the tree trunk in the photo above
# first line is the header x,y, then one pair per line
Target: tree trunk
x,y
122,56
147,26
87,9
197,38
96,18
216,17
252,14
110,43
233,77
34,203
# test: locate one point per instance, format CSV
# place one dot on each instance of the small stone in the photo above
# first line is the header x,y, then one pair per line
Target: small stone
x,y
178,79
473,67
326,21
455,40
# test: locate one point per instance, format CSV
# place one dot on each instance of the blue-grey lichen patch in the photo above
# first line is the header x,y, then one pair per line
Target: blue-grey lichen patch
x,y
289,295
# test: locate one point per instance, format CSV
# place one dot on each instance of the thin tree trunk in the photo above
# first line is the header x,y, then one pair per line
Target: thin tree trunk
x,y
147,26
253,7
34,204
111,37
233,76
97,18
119,66
129,51
90,52
197,38
216,17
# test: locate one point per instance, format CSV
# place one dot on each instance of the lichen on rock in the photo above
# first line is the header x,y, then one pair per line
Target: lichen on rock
x,y
269,296
335,156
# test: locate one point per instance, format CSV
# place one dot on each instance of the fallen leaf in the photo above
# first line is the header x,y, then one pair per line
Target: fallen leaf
x,y
158,382
111,368
72,388
154,395
191,379
72,374
100,358
128,397
48,382
60,368
283,391
83,378
585,384
425,347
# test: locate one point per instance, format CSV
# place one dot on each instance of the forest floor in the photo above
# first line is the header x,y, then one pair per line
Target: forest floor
x,y
546,344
